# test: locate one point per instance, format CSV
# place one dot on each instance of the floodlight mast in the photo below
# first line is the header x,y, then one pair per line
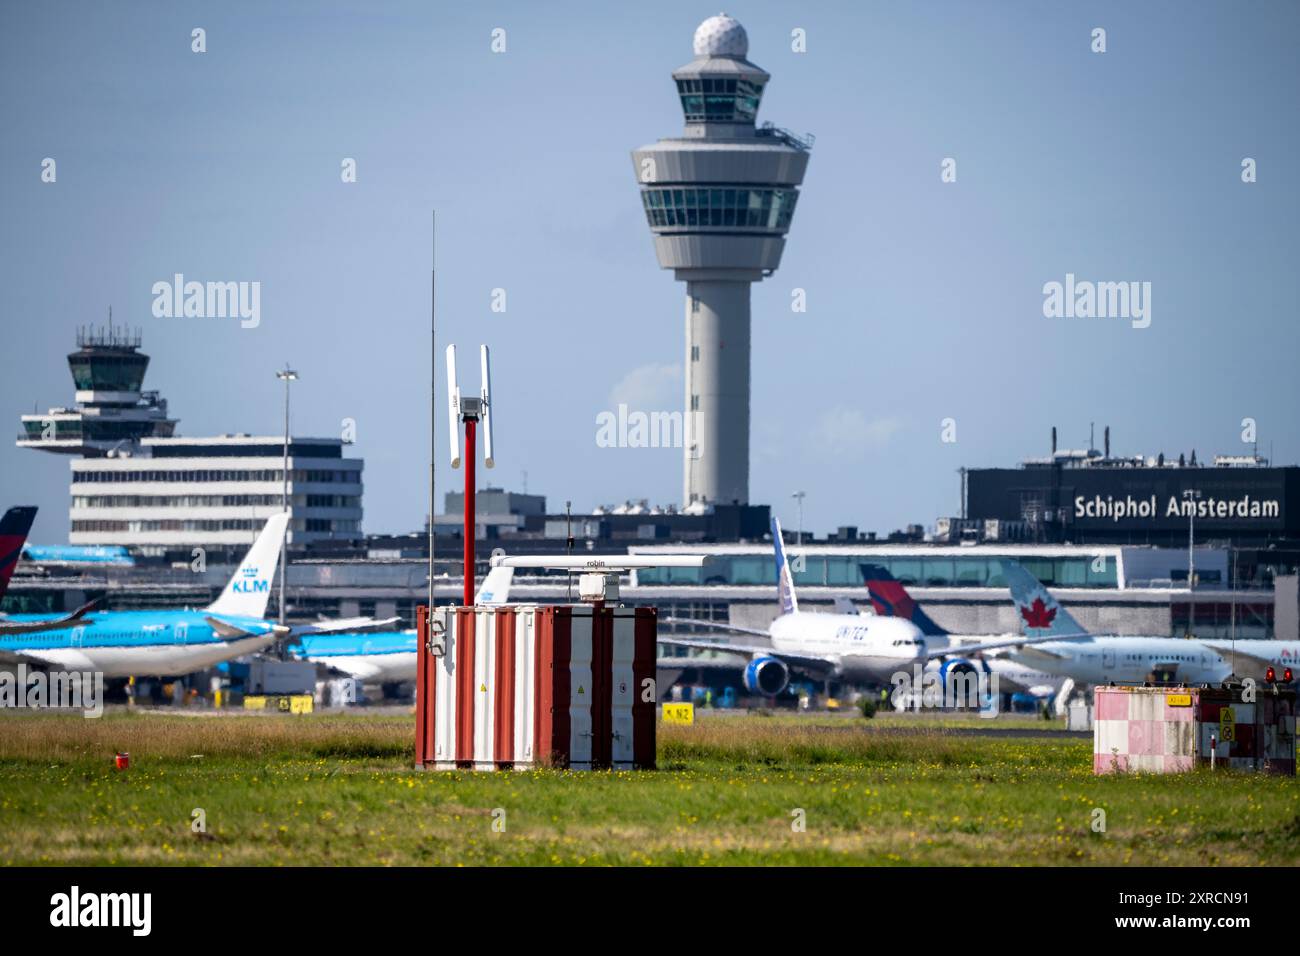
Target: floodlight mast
x,y
469,411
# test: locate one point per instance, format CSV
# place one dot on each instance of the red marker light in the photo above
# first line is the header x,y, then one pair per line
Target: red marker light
x,y
1286,674
1270,675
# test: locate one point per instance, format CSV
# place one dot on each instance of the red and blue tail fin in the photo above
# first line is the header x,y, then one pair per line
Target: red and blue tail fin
x,y
890,599
14,526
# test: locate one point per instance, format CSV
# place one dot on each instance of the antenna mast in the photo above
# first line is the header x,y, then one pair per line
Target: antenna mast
x,y
433,389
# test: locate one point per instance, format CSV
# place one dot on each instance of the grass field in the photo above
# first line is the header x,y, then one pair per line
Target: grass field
x,y
335,789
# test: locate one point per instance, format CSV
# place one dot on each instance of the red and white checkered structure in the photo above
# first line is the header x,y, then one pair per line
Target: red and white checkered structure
x,y
521,686
1168,729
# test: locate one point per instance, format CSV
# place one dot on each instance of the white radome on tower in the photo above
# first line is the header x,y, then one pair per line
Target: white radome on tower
x,y
721,36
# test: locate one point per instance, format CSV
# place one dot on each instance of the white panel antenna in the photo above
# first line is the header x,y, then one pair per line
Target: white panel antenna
x,y
453,407
486,370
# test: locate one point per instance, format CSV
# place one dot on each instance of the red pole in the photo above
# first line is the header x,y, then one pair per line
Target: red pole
x,y
470,524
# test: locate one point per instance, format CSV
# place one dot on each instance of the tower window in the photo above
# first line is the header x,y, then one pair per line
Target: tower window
x,y
768,209
729,100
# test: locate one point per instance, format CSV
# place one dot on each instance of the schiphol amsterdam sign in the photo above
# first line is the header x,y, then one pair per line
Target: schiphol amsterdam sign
x,y
1175,506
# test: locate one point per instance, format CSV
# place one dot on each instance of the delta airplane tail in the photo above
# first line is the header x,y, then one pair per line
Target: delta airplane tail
x,y
13,535
1040,614
249,589
890,599
784,579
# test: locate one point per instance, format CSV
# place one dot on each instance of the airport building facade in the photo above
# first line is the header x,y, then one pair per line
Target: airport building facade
x,y
178,494
962,592
1241,503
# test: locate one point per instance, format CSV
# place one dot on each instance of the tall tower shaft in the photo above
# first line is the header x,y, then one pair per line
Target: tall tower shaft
x,y
719,201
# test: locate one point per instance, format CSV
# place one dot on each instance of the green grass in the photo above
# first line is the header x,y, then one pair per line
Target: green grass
x,y
340,790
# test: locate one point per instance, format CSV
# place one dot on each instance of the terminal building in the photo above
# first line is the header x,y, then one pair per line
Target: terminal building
x,y
171,495
1241,502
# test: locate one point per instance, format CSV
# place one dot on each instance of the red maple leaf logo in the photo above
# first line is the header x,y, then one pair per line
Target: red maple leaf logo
x,y
1038,615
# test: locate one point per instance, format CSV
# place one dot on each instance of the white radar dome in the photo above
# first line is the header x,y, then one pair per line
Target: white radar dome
x,y
721,36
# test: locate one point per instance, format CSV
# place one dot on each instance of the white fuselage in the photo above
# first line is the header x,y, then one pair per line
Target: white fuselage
x,y
394,668
1126,660
157,660
862,646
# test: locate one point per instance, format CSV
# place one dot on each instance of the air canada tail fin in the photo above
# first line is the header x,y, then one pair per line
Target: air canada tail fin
x,y
496,587
784,579
890,599
13,535
249,588
1040,613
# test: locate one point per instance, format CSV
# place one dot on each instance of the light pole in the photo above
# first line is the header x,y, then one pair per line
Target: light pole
x,y
285,375
799,496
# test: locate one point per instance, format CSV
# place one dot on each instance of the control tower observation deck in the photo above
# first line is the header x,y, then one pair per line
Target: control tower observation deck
x,y
112,411
719,200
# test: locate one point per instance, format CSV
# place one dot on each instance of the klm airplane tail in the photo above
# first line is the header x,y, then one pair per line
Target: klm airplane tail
x,y
1040,614
13,535
496,587
890,599
784,579
249,588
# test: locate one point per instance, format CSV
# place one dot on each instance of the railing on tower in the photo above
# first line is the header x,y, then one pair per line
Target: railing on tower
x,y
804,142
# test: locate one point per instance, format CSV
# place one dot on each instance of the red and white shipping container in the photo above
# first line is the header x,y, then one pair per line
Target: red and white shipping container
x,y
523,686
1169,729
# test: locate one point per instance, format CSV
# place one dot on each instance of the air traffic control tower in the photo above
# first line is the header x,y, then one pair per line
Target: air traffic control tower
x,y
719,200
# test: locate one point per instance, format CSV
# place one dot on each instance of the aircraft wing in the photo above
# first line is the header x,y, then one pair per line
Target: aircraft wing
x,y
355,667
14,658
1044,653
844,606
346,625
994,645
715,626
1261,664
53,624
229,632
818,665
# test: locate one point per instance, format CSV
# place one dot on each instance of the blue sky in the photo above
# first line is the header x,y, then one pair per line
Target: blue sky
x,y
924,298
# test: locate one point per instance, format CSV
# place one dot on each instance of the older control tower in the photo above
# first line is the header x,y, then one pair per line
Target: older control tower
x,y
719,200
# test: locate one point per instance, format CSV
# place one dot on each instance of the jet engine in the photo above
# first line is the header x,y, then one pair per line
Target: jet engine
x,y
960,679
766,676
